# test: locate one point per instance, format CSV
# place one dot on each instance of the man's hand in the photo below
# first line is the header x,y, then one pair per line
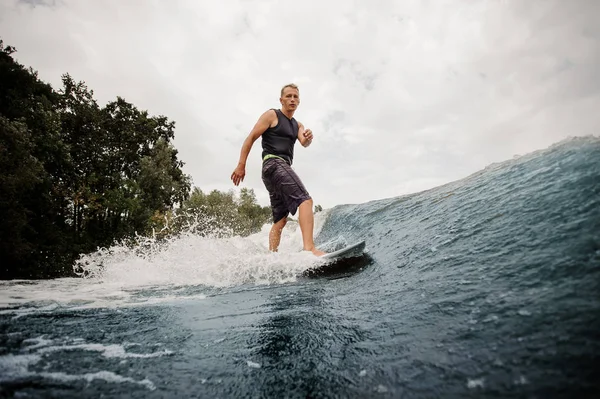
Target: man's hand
x,y
238,174
305,137
308,135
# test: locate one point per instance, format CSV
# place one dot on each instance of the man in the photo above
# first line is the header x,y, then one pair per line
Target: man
x,y
279,131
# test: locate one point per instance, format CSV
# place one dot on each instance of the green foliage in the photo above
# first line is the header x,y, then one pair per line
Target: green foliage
x,y
21,172
251,215
33,225
318,208
216,213
75,176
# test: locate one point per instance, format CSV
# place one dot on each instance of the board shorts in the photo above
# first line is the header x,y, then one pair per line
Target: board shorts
x,y
286,190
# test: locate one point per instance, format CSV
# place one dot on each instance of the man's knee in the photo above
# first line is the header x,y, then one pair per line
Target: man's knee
x,y
308,202
281,223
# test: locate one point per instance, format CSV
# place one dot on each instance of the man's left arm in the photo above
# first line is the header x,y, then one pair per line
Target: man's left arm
x,y
305,136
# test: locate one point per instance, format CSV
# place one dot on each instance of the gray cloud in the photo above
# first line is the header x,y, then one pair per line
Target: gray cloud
x,y
37,3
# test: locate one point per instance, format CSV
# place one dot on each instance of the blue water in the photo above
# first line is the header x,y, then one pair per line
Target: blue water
x,y
484,287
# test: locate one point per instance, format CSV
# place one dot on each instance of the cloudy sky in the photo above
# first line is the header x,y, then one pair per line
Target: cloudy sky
x,y
401,96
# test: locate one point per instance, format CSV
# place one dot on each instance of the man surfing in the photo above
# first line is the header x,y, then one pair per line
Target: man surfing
x,y
279,131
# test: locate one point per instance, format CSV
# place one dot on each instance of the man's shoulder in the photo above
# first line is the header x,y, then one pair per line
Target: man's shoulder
x,y
271,112
271,117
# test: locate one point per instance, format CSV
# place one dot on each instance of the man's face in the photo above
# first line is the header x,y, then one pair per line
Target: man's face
x,y
290,99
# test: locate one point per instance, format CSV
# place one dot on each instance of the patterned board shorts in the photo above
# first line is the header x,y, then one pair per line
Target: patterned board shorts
x,y
285,188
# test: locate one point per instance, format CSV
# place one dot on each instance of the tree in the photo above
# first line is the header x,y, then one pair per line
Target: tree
x,y
252,215
76,176
21,172
217,213
31,130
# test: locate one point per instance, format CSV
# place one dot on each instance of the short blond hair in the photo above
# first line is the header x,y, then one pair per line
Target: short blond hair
x,y
292,85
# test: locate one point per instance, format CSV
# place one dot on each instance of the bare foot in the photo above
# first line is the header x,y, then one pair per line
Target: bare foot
x,y
317,252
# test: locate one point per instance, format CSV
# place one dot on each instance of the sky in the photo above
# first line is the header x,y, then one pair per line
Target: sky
x,y
401,96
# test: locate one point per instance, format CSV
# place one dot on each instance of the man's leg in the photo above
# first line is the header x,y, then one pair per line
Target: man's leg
x,y
307,223
275,234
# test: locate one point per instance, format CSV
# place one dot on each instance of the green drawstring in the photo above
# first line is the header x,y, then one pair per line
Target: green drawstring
x,y
269,156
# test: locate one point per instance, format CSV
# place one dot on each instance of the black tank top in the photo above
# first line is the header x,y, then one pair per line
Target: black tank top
x,y
280,140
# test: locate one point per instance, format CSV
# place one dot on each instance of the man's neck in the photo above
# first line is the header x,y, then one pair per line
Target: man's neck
x,y
288,114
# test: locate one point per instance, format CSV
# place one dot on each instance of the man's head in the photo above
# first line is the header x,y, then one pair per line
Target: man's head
x,y
290,97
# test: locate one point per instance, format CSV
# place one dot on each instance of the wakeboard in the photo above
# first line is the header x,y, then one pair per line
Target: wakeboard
x,y
343,262
349,251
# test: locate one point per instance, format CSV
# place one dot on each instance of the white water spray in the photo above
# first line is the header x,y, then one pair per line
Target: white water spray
x,y
158,271
191,259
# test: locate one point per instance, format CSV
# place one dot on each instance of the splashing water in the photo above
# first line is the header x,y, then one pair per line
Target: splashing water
x,y
191,259
156,271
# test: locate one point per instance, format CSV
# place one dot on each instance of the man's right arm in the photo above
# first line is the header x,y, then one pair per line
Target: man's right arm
x,y
263,123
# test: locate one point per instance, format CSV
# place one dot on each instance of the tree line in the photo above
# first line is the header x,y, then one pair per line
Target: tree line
x,y
76,176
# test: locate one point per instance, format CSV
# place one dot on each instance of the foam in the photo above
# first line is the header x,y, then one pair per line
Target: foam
x,y
252,364
13,367
381,389
38,342
104,375
22,311
16,367
44,346
190,259
475,383
109,351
